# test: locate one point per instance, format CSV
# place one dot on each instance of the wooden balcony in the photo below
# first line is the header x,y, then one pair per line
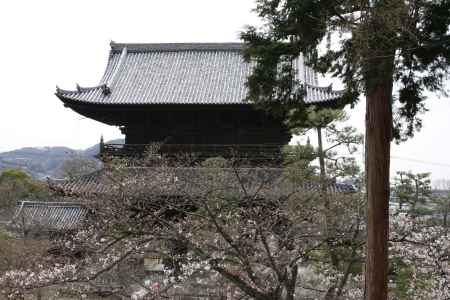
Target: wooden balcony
x,y
251,152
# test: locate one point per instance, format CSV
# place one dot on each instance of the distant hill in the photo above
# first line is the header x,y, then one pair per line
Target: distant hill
x,y
42,162
94,150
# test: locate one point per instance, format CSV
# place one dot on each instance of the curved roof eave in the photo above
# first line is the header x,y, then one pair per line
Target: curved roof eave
x,y
69,101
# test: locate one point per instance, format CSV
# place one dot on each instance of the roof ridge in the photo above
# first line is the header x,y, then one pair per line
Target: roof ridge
x,y
160,47
59,180
115,74
50,203
328,88
80,89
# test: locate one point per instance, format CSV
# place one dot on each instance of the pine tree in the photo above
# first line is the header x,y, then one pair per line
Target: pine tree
x,y
380,42
412,189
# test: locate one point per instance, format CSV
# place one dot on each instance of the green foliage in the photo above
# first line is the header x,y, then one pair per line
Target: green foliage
x,y
327,121
4,235
442,207
345,137
316,117
401,275
20,181
300,171
10,174
297,160
16,185
299,152
422,211
413,189
367,43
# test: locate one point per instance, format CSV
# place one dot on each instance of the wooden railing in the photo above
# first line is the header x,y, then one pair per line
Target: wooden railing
x,y
201,151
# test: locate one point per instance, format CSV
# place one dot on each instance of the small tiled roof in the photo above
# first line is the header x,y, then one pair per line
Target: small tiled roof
x,y
214,73
48,216
96,182
188,181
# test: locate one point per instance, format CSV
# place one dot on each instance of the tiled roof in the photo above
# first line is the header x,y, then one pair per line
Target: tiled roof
x,y
96,182
48,216
187,181
140,74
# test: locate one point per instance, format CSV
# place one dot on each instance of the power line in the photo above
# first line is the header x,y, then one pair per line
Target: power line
x,y
422,161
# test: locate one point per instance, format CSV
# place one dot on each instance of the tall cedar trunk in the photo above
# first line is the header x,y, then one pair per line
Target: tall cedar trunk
x,y
378,136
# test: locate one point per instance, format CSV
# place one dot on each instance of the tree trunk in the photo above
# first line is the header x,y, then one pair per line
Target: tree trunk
x,y
416,197
323,174
378,137
446,211
330,294
321,155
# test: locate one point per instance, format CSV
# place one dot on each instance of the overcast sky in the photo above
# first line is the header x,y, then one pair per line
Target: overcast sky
x,y
52,42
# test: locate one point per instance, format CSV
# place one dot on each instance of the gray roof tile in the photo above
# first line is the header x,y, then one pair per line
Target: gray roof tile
x,y
48,216
181,74
189,181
